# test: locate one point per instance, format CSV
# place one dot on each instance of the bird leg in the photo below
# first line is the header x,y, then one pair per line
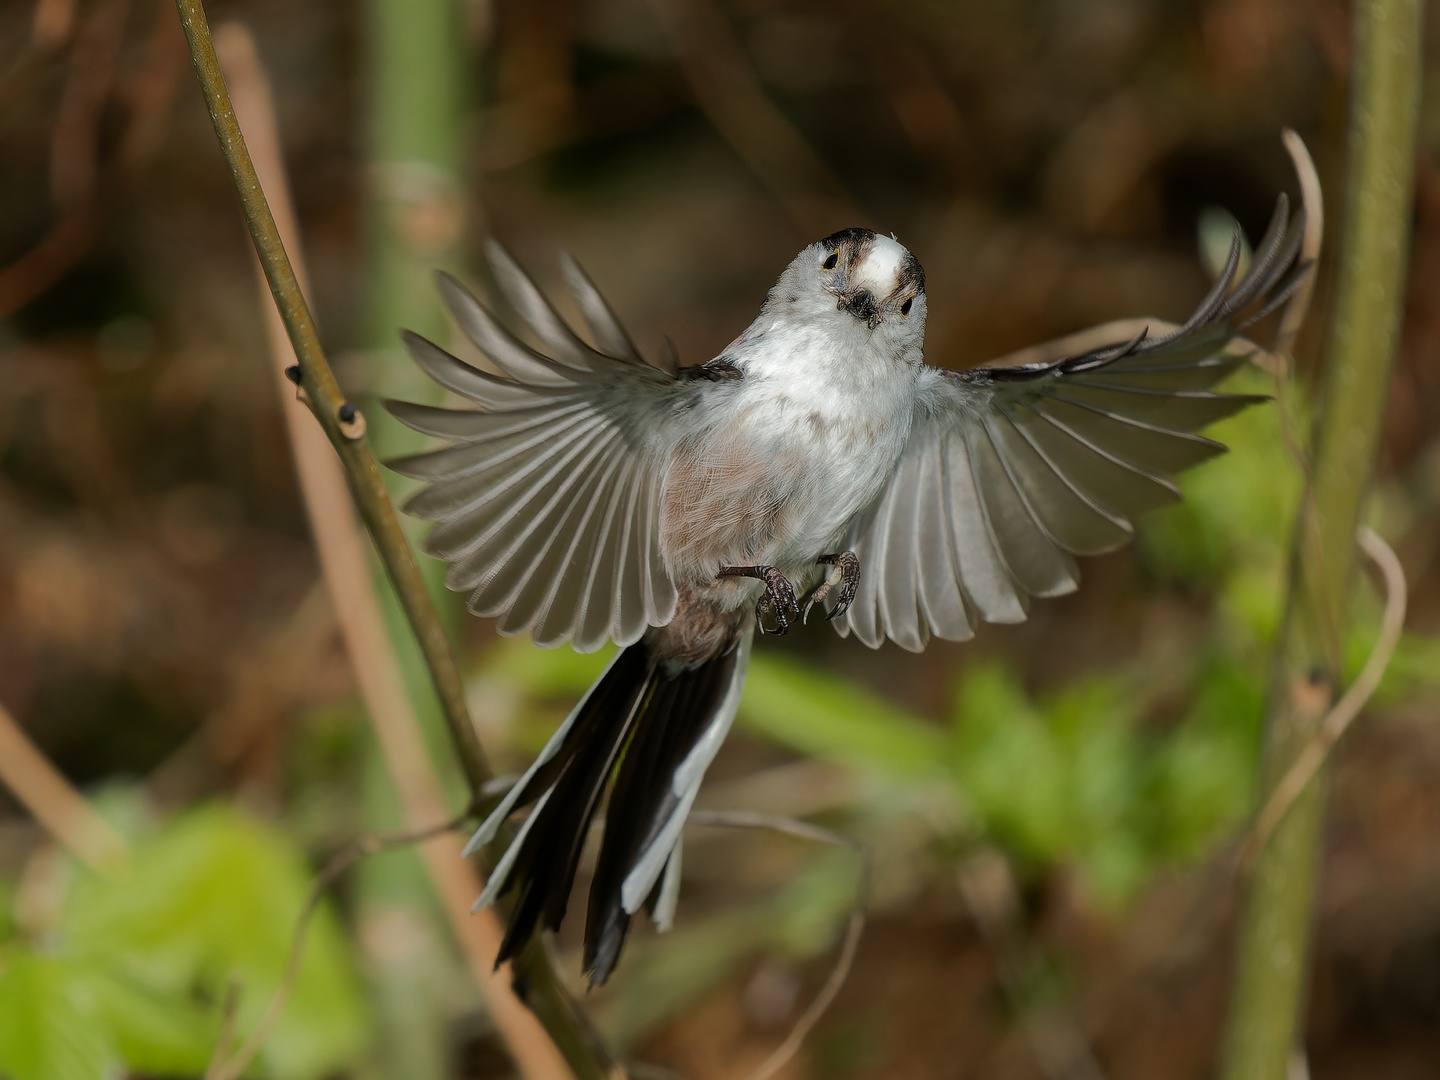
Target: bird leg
x,y
779,596
844,572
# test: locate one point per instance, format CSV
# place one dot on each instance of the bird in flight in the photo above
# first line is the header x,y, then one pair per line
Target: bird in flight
x,y
818,462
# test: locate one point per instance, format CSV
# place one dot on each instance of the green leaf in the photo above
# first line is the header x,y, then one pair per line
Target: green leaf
x,y
1010,765
154,1031
46,1030
216,896
817,713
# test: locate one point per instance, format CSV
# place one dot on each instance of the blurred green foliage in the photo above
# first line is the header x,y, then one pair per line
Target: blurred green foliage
x,y
131,973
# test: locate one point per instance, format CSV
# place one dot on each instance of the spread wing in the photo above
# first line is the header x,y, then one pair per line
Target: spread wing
x,y
547,499
1011,471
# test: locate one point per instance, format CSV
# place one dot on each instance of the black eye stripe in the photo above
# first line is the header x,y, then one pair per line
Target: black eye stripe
x,y
829,263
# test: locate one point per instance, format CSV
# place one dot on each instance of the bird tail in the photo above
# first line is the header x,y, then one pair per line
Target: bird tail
x,y
663,725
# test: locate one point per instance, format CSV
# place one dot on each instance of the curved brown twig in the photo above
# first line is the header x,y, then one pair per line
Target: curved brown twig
x,y
757,819
224,1065
1343,713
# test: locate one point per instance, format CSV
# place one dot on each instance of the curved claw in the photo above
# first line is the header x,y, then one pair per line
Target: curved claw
x,y
779,596
847,581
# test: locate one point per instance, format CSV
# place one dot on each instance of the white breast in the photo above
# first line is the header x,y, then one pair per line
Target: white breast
x,y
791,453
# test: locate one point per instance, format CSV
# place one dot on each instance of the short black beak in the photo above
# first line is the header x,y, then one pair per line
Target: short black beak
x,y
862,305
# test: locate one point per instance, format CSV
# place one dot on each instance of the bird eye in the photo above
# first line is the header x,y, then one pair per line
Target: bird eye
x,y
829,263
905,307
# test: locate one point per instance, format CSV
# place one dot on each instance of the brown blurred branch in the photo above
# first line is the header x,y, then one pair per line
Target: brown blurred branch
x,y
262,686
52,801
727,90
347,571
74,156
74,145
50,28
75,141
51,23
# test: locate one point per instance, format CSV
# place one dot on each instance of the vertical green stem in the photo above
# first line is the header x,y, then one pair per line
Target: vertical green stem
x,y
413,65
1271,965
346,432
417,210
415,61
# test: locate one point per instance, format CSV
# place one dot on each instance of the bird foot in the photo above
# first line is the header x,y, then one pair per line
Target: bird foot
x,y
844,575
779,599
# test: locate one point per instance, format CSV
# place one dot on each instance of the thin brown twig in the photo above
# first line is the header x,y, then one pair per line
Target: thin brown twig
x,y
343,424
223,1066
1308,762
347,571
225,1039
1292,318
61,810
1312,198
758,819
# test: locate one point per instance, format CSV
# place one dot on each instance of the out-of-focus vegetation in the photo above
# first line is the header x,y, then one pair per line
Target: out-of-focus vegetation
x,y
123,971
1050,807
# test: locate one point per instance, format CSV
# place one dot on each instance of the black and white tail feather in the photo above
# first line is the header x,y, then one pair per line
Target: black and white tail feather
x,y
663,724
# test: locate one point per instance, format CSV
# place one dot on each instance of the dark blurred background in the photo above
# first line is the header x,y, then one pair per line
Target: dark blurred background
x,y
1053,896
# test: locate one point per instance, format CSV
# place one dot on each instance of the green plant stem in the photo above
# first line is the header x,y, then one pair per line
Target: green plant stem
x,y
413,60
322,394
416,214
562,1020
1271,965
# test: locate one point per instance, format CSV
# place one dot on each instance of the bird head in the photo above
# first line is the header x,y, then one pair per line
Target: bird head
x,y
870,285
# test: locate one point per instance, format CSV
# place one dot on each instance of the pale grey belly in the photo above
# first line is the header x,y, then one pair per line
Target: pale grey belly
x,y
732,501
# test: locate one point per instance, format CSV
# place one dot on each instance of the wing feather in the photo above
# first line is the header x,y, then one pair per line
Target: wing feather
x,y
498,559
942,601
1070,519
1028,464
609,334
1040,568
982,573
515,358
899,573
527,299
546,501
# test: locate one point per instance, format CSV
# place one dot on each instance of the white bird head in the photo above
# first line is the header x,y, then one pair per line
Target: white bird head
x,y
857,282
